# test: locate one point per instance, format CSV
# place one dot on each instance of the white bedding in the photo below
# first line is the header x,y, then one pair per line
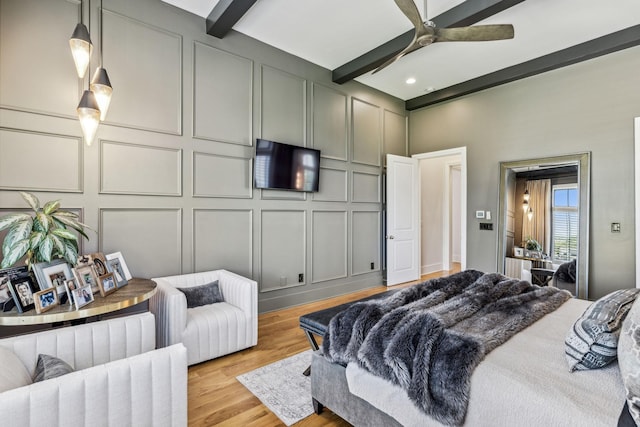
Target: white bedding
x,y
524,382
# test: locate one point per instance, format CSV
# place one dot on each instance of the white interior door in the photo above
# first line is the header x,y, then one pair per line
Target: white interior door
x,y
403,220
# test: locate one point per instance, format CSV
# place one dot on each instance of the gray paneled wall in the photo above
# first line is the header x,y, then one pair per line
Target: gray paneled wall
x,y
169,179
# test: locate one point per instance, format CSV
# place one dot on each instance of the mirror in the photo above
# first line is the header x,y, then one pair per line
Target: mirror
x,y
564,182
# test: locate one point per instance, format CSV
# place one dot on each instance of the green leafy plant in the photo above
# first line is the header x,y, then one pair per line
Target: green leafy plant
x,y
533,245
43,236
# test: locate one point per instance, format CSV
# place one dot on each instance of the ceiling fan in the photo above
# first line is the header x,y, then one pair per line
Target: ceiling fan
x,y
427,32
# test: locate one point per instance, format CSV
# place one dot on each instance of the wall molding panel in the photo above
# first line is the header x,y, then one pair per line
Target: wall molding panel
x,y
138,70
60,157
329,245
394,134
365,187
367,231
223,238
215,175
333,186
121,162
366,129
150,239
329,118
283,106
283,249
222,96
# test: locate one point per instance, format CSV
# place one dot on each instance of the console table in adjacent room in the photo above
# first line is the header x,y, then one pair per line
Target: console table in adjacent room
x,y
136,291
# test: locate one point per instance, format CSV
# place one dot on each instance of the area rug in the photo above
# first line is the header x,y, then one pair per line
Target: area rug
x,y
282,387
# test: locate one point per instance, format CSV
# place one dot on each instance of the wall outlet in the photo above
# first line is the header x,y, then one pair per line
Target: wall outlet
x,y
372,266
300,278
615,227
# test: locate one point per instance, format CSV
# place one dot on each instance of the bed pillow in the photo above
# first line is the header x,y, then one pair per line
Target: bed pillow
x,y
50,367
593,340
202,294
13,374
629,360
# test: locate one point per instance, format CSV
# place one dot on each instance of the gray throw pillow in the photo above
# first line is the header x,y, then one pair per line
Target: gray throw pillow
x,y
202,294
593,340
50,367
629,360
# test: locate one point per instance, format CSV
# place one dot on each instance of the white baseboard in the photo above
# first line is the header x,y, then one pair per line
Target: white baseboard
x,y
431,268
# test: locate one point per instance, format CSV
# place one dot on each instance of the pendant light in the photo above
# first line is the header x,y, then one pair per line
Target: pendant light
x,y
525,203
81,46
530,214
100,84
89,115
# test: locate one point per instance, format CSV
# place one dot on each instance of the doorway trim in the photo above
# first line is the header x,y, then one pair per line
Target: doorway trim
x,y
462,152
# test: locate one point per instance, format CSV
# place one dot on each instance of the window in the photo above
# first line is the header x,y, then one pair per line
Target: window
x,y
564,237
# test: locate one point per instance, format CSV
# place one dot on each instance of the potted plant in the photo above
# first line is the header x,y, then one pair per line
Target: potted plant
x,y
533,245
42,236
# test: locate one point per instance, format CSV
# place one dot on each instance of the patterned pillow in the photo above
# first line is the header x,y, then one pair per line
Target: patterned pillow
x,y
202,295
629,360
50,367
592,342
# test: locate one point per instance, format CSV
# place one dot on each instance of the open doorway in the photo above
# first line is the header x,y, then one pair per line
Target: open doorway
x,y
442,209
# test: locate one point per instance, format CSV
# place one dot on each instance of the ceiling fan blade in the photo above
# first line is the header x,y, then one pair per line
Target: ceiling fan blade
x,y
475,33
413,46
408,7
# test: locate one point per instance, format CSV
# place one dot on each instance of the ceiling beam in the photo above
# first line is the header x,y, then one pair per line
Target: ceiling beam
x,y
225,14
462,15
604,45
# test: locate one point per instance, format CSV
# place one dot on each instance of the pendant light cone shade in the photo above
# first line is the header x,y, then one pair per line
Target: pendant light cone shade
x,y
525,205
89,115
530,214
81,48
526,195
101,87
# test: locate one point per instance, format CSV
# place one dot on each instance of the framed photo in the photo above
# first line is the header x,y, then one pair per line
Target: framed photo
x,y
518,252
99,263
70,286
22,289
86,276
107,284
82,296
6,276
115,267
45,300
125,270
53,274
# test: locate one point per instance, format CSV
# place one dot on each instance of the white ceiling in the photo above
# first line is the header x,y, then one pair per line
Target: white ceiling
x,y
331,33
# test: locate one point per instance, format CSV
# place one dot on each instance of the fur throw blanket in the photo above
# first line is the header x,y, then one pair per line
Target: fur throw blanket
x,y
429,338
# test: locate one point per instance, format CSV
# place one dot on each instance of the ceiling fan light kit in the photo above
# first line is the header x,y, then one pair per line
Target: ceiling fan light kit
x,y
427,33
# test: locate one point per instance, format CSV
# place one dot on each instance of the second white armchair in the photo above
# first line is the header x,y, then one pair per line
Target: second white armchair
x,y
210,330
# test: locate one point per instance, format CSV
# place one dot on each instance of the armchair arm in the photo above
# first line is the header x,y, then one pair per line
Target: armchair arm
x,y
169,305
242,292
149,389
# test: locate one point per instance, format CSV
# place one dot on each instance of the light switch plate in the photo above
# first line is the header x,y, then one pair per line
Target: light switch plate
x,y
480,214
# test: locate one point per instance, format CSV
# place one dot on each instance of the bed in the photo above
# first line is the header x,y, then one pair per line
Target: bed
x,y
525,381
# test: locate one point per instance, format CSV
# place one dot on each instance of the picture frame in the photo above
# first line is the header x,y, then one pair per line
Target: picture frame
x,y
107,283
22,289
6,298
86,275
45,299
99,263
518,252
54,273
115,267
82,296
70,286
123,264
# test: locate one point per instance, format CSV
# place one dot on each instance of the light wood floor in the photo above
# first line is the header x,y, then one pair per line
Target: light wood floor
x,y
217,398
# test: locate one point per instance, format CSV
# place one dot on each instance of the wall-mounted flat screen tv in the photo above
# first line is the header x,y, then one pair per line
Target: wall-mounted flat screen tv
x,y
286,167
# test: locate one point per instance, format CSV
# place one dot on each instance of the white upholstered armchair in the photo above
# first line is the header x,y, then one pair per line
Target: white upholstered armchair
x,y
118,379
210,330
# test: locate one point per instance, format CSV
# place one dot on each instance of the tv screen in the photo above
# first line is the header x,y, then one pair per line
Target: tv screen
x,y
286,167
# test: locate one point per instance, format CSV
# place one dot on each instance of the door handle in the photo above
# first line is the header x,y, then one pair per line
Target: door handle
x,y
391,237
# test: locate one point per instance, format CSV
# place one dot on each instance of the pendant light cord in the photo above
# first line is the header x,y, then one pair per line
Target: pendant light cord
x,y
101,12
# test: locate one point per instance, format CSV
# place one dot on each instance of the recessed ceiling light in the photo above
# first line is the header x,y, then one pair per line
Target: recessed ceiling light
x,y
410,80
